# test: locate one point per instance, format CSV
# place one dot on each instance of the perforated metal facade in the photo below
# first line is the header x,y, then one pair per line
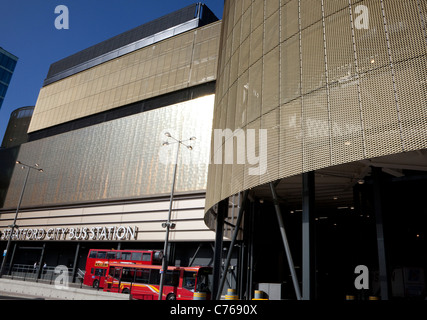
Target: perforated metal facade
x,y
332,82
118,160
188,18
176,63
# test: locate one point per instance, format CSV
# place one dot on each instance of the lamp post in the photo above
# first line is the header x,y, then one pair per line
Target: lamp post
x,y
169,225
13,226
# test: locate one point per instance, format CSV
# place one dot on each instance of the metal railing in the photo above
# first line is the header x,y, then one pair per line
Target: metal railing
x,y
45,274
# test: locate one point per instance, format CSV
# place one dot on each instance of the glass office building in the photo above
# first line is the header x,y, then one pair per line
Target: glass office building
x,y
7,66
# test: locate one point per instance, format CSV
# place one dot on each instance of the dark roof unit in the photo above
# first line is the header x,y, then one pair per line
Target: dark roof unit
x,y
190,17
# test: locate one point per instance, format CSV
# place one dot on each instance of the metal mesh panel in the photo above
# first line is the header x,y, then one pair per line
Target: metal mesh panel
x,y
269,161
255,92
346,120
351,77
290,139
315,126
311,12
252,150
290,70
405,31
379,108
331,7
270,97
289,13
411,81
119,159
179,62
313,62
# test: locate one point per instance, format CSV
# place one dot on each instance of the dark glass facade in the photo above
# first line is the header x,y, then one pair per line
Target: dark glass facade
x,y
16,131
7,66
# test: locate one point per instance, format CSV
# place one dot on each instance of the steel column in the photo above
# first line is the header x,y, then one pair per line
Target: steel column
x,y
195,254
308,263
233,241
382,256
285,242
219,236
41,264
250,251
76,258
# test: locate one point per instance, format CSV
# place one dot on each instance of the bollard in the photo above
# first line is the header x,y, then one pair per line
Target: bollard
x,y
259,295
231,295
199,296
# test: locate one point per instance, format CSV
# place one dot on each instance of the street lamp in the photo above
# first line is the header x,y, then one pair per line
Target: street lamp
x,y
13,226
170,225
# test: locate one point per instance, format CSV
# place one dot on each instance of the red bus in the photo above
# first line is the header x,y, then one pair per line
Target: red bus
x,y
142,281
98,260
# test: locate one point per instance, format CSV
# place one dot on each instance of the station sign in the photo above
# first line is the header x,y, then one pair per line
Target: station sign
x,y
115,233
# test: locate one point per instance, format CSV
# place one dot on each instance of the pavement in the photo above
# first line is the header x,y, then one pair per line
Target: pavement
x,y
6,296
18,289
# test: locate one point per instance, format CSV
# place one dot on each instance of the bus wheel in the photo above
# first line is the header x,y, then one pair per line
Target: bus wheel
x,y
126,291
171,296
95,284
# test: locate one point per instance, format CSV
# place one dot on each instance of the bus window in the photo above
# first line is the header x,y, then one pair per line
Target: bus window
x,y
101,255
93,254
137,256
155,276
127,275
111,255
172,278
100,272
117,273
111,272
142,276
189,280
146,257
203,280
125,256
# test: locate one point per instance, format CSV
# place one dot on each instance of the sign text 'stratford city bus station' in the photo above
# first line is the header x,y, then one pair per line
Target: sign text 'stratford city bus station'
x,y
116,233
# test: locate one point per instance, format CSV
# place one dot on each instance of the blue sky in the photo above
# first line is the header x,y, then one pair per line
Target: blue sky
x,y
27,29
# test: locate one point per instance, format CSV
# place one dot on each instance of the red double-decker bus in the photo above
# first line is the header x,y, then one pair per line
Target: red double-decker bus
x,y
98,260
142,281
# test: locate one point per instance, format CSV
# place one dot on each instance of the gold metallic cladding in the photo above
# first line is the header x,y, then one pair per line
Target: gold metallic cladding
x,y
118,159
345,93
182,61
